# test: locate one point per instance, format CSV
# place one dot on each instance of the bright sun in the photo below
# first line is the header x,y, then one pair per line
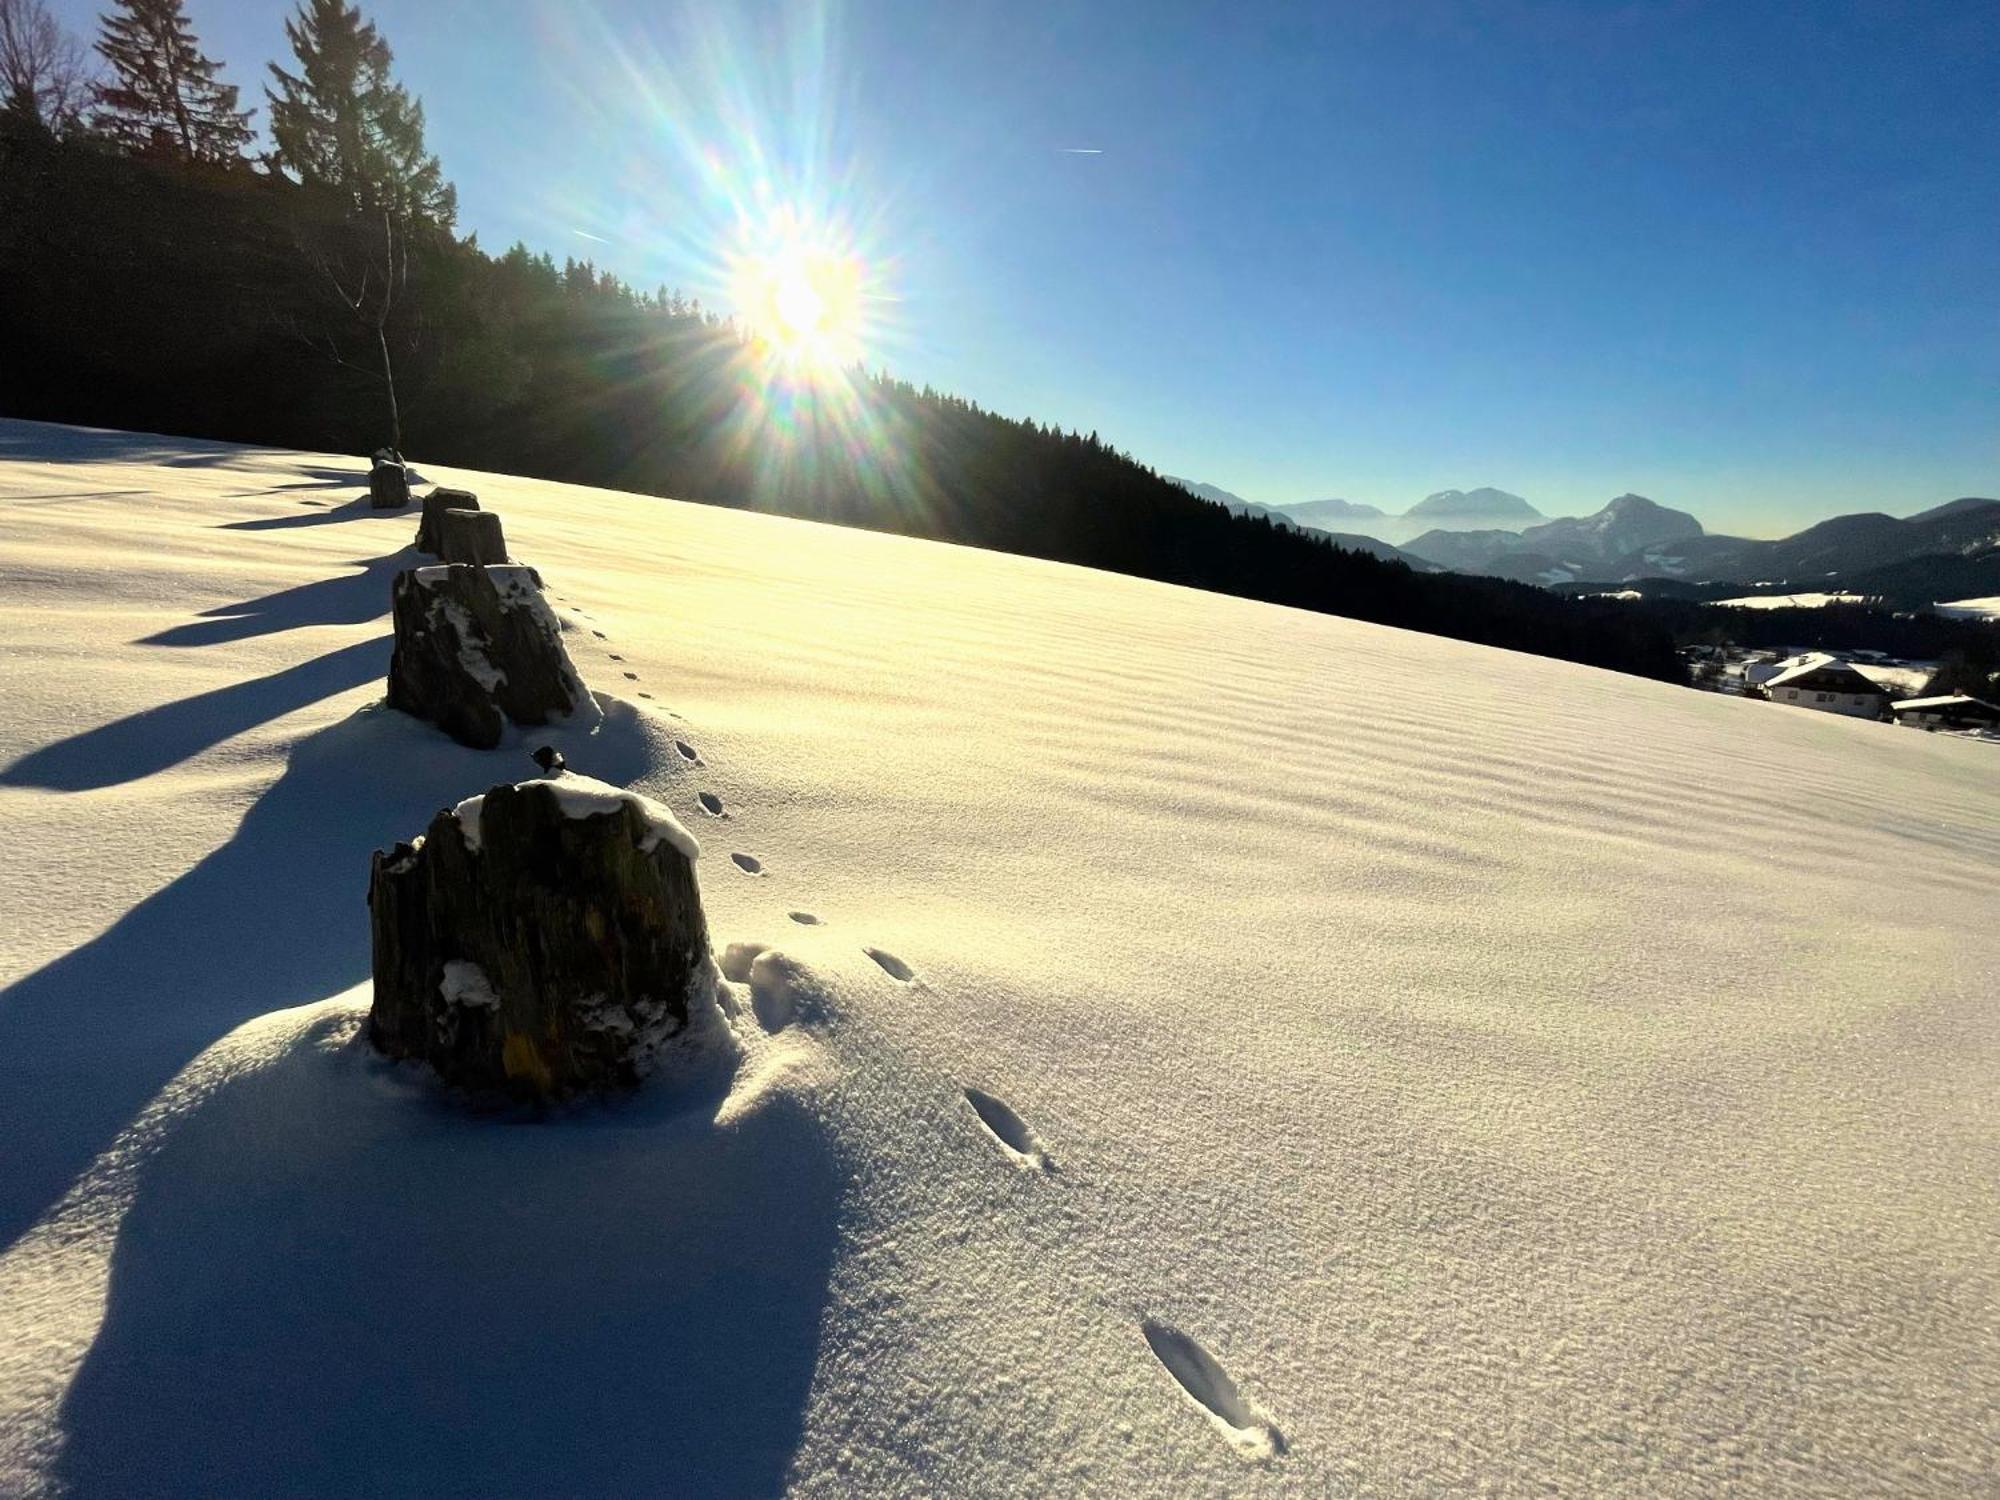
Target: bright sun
x,y
802,297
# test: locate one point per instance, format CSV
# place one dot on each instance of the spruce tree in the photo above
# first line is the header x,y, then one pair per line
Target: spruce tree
x,y
342,124
163,98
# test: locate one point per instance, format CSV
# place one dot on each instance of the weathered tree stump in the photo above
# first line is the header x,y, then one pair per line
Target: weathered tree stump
x,y
471,536
476,647
430,525
388,484
542,939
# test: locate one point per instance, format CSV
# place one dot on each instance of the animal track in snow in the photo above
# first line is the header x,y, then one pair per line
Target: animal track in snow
x,y
647,696
749,864
632,676
1023,1147
736,961
710,803
601,636
616,657
1249,1431
893,966
804,918
687,751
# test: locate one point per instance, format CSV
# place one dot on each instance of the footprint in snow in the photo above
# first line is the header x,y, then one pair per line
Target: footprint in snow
x,y
893,966
1249,1431
710,803
780,987
1023,1147
687,751
749,864
600,635
647,696
804,918
632,676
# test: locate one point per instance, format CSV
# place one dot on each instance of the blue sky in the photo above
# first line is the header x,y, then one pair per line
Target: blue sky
x,y
1740,257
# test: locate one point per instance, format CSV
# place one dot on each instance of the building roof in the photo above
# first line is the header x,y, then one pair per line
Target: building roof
x,y
1817,662
1942,702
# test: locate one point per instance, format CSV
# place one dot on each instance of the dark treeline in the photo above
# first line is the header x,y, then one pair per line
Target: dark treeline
x,y
157,279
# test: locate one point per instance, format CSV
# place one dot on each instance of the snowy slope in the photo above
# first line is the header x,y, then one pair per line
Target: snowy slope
x,y
1467,1071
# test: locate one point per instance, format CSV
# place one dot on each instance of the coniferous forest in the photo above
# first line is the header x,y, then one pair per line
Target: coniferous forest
x,y
159,276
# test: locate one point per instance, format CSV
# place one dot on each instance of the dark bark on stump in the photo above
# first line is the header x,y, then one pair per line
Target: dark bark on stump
x,y
471,536
388,485
549,953
430,526
476,647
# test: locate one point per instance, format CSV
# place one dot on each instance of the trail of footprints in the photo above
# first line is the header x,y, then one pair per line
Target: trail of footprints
x,y
774,1002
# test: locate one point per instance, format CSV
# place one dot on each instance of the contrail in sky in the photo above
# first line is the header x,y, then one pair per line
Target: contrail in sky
x,y
585,234
1080,150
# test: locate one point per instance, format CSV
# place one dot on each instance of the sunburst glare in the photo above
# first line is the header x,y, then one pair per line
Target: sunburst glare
x,y
801,293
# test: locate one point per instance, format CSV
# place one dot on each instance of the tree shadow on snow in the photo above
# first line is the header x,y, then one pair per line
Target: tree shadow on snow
x,y
333,1282
350,599
360,508
275,917
155,738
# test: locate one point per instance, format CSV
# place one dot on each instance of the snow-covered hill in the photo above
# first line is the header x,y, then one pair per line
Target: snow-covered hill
x,y
1231,1051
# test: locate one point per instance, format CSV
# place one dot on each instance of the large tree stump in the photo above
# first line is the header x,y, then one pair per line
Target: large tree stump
x,y
430,525
471,536
477,647
544,938
388,484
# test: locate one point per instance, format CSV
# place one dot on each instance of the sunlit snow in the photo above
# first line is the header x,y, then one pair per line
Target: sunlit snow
x,y
1182,1046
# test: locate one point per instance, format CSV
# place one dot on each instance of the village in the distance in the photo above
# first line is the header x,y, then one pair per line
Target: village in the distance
x,y
1859,684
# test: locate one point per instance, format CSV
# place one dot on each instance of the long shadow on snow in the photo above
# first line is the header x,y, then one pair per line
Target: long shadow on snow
x,y
359,509
329,1284
351,599
155,738
275,917
50,443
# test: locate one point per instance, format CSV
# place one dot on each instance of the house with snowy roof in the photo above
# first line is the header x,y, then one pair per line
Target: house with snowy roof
x,y
1947,711
1818,680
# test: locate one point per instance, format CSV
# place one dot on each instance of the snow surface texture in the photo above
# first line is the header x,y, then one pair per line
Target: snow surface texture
x,y
1170,1063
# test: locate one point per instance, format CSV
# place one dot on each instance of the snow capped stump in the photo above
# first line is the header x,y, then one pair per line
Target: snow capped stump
x,y
538,940
430,525
388,484
477,647
471,536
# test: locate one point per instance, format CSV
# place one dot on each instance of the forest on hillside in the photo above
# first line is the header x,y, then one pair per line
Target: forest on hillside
x,y
159,276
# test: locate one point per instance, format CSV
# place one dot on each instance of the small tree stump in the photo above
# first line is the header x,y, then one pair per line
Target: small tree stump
x,y
471,536
476,647
430,526
388,485
544,938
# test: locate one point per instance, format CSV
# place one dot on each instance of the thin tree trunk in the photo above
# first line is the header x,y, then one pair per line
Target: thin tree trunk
x,y
389,380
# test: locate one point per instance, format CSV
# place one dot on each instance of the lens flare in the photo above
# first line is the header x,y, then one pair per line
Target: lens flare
x,y
802,296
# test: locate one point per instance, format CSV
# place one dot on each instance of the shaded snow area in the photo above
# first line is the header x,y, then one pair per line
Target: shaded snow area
x,y
1165,1063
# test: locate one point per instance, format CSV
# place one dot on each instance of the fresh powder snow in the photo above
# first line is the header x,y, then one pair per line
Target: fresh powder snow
x,y
1179,1046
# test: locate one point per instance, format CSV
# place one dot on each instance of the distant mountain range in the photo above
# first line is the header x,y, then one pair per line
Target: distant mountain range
x,y
1465,505
1487,507
1949,551
1294,517
1313,512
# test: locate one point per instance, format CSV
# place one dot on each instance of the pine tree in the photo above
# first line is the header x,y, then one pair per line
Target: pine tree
x,y
342,124
163,98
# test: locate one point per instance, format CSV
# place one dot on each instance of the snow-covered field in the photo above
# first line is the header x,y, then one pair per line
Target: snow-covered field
x,y
1987,608
1229,1050
1788,601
